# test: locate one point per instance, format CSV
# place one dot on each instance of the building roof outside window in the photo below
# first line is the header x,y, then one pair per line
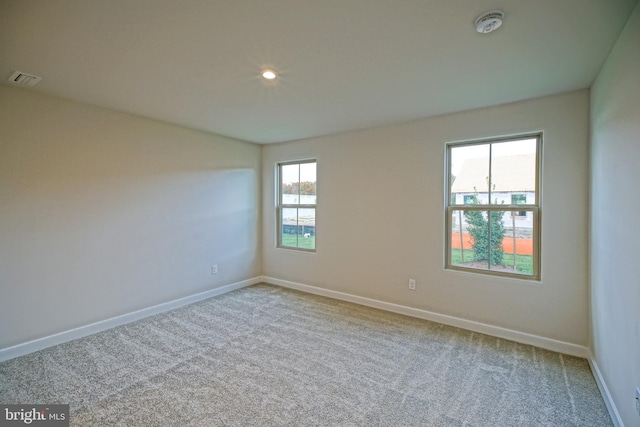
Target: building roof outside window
x,y
515,173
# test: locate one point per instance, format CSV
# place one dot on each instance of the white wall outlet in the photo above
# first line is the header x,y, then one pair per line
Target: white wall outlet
x,y
214,269
638,400
412,284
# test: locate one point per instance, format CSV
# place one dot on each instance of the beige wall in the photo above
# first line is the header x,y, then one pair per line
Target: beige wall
x,y
380,218
615,166
103,213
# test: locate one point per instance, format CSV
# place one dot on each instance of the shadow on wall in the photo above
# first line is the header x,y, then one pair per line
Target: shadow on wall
x,y
86,250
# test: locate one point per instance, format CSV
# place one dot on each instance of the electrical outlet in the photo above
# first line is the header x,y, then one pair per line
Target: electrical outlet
x,y
214,269
638,400
412,284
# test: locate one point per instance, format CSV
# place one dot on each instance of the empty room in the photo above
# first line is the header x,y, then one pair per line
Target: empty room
x,y
338,213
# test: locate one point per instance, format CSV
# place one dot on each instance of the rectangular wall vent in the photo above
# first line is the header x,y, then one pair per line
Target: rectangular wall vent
x,y
24,79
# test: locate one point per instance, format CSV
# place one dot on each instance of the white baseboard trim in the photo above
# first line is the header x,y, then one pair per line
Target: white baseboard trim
x,y
496,331
83,331
604,391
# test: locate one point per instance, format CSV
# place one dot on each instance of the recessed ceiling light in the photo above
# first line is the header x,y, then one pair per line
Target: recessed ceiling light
x,y
269,74
490,21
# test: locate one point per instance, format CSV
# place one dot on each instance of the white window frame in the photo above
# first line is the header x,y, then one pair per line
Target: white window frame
x,y
533,209
280,205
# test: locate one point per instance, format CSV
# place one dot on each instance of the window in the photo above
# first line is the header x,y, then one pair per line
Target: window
x,y
493,206
468,199
519,199
296,210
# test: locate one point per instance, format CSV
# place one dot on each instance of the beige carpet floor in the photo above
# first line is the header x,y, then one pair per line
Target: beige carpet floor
x,y
268,356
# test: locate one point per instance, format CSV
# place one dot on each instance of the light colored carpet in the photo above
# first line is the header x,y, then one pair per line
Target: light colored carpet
x,y
268,356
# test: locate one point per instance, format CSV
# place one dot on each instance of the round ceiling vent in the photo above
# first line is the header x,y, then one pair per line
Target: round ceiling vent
x,y
490,21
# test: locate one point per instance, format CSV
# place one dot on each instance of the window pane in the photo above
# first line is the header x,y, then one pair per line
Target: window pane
x,y
513,170
469,174
518,199
290,177
308,183
518,244
468,238
298,228
479,243
307,228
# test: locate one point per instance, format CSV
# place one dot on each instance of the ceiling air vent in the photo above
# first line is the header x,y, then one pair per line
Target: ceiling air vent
x,y
24,79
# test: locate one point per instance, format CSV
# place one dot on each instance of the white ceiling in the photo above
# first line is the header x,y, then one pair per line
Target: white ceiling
x,y
344,64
